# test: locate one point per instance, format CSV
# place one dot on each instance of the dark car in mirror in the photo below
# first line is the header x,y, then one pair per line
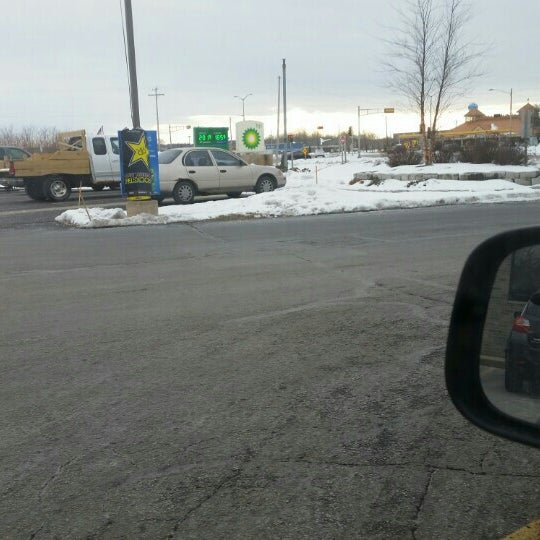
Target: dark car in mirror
x,y
522,354
493,348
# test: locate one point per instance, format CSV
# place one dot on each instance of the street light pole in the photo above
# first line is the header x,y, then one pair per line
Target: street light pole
x,y
510,111
284,157
359,131
366,111
243,101
511,96
156,95
173,129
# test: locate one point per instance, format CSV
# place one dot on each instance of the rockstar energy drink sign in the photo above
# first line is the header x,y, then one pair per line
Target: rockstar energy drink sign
x,y
139,168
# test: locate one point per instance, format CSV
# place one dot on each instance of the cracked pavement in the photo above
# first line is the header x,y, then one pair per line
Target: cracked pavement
x,y
261,379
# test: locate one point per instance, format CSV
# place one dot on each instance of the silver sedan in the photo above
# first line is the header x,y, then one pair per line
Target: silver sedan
x,y
185,173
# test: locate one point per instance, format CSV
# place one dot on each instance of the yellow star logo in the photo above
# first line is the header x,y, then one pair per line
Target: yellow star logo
x,y
140,151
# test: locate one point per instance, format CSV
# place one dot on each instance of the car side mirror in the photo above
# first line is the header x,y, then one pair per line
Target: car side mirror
x,y
493,350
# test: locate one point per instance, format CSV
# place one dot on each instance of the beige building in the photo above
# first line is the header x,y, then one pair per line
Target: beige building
x,y
525,125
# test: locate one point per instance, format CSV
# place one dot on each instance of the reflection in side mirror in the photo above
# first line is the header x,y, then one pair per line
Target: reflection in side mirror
x,y
510,353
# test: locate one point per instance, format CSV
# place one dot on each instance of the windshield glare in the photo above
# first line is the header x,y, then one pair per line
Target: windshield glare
x,y
168,156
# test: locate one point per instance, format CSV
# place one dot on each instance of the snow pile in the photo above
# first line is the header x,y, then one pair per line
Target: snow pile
x,y
327,192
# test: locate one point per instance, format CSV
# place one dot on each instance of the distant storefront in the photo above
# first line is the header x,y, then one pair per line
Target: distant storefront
x,y
523,125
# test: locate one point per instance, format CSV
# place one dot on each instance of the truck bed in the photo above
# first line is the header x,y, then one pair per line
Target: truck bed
x,y
74,162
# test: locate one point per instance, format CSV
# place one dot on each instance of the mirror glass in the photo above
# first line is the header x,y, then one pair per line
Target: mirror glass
x,y
510,354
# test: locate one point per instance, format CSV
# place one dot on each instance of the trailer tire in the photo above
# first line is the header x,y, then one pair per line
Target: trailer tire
x,y
57,189
35,191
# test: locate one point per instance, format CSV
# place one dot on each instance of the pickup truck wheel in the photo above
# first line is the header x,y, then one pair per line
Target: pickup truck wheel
x,y
57,189
265,184
35,191
184,192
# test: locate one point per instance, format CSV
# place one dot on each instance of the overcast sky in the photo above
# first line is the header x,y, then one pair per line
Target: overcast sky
x,y
64,63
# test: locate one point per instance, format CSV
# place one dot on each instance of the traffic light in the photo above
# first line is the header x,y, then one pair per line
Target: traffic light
x,y
290,138
349,132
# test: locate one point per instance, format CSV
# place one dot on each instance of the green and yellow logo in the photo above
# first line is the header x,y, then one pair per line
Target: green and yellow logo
x,y
140,151
251,138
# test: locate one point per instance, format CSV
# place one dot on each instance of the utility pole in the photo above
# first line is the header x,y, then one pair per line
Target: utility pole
x,y
511,93
278,111
284,162
133,91
156,95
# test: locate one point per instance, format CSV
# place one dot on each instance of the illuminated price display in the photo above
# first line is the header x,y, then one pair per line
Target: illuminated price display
x,y
211,136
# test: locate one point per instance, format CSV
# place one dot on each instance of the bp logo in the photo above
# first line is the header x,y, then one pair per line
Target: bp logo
x,y
251,138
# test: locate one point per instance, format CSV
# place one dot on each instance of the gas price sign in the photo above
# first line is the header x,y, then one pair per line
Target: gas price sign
x,y
211,136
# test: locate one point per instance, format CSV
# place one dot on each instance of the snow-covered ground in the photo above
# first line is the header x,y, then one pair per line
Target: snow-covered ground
x,y
323,186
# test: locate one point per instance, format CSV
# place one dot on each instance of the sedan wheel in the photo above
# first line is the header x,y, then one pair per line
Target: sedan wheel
x,y
265,184
183,192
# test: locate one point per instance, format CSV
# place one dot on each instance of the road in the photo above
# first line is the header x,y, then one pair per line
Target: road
x,y
17,210
524,404
252,379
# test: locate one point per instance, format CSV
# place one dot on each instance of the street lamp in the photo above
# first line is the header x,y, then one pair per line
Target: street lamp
x,y
173,128
243,100
156,95
510,93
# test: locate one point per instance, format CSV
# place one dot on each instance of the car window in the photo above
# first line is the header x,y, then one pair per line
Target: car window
x,y
168,156
16,153
98,144
114,145
226,159
533,309
198,158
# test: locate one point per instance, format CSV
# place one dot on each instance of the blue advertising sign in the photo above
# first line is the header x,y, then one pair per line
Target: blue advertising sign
x,y
139,167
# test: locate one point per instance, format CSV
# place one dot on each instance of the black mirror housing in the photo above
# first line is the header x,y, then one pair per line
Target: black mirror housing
x,y
462,367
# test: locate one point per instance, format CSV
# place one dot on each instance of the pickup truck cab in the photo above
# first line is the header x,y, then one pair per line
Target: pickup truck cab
x,y
7,155
80,161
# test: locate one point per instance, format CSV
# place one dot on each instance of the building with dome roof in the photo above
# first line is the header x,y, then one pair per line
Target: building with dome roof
x,y
523,125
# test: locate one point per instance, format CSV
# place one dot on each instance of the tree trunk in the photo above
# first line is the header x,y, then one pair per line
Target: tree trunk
x,y
425,141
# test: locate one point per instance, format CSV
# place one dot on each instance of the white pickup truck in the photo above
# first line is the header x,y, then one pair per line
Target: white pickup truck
x,y
80,161
318,152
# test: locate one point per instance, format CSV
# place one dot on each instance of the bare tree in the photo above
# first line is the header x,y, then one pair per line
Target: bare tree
x,y
30,138
432,61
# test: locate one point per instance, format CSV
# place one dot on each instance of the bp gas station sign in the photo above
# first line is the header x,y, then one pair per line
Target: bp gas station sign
x,y
250,137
